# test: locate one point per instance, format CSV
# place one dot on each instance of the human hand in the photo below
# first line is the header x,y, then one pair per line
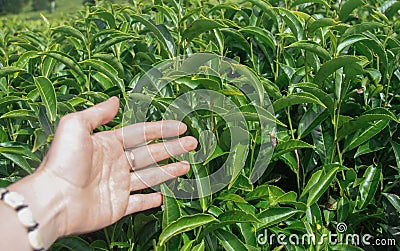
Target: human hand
x,y
93,175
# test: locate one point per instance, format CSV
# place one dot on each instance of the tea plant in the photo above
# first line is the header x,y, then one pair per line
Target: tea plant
x,y
331,70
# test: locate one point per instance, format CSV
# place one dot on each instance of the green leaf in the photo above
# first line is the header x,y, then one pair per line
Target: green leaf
x,y
262,34
44,121
113,39
24,58
296,99
262,192
48,96
333,65
364,120
161,33
107,16
9,100
19,150
237,162
106,69
172,210
267,8
231,197
348,7
321,186
20,161
367,148
146,229
365,134
119,244
248,231
288,146
312,47
362,27
104,81
315,177
202,183
343,209
315,90
293,22
73,243
23,114
199,247
113,61
187,246
349,40
320,23
218,152
49,63
377,48
5,71
167,11
200,26
230,218
347,247
234,39
311,119
396,149
67,30
230,241
394,199
40,139
275,215
67,61
287,197
392,10
184,224
369,185
299,2
313,215
253,112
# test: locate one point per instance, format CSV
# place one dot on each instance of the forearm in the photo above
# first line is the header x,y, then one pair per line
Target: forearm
x,y
46,204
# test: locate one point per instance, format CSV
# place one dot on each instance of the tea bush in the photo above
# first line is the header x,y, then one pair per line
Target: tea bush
x,y
330,68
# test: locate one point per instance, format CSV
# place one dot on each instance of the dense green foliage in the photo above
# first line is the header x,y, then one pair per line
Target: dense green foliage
x,y
7,6
40,5
331,70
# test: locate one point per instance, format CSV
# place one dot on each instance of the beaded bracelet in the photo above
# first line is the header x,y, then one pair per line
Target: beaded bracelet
x,y
16,201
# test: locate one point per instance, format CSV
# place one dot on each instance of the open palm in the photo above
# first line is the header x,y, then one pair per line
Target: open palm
x,y
94,174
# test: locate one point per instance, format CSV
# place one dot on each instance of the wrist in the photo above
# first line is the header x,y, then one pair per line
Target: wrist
x,y
46,203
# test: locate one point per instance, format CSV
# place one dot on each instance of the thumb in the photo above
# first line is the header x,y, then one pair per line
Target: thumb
x,y
100,114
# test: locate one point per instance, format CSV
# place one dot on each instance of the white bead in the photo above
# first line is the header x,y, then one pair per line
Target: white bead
x,y
2,190
14,199
35,239
25,216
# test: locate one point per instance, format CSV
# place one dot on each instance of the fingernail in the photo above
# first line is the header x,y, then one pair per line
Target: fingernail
x,y
191,141
182,127
185,162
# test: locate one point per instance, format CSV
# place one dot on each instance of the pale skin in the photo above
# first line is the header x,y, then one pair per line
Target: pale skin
x,y
85,181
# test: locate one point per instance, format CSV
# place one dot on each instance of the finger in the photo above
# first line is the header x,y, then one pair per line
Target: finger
x,y
153,153
155,175
136,134
141,202
99,114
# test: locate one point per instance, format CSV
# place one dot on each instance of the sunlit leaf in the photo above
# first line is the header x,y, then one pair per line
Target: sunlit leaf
x,y
274,215
369,185
48,96
184,224
319,188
